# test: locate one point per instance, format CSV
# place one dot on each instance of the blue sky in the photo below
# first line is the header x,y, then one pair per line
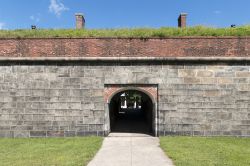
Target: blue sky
x,y
20,14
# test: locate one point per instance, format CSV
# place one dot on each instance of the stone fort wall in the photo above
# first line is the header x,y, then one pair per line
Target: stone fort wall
x,y
43,98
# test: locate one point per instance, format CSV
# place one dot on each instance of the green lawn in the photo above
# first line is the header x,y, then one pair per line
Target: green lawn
x,y
48,151
207,151
130,33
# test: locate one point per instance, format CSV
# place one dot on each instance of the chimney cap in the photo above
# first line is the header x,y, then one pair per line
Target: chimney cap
x,y
183,14
78,14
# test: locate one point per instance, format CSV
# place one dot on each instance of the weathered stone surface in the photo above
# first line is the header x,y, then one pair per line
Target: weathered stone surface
x,y
243,74
193,80
55,134
38,134
225,80
210,80
186,73
49,100
204,73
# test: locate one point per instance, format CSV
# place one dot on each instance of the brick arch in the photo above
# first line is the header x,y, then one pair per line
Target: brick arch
x,y
151,90
111,90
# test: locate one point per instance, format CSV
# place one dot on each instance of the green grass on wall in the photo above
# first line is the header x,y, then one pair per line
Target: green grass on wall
x,y
130,33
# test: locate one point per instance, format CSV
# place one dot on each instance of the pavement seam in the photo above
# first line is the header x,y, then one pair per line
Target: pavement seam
x,y
131,151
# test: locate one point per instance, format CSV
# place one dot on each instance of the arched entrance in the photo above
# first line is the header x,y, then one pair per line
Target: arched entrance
x,y
131,111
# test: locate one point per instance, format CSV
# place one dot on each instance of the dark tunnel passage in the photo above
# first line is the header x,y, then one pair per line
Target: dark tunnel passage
x,y
131,111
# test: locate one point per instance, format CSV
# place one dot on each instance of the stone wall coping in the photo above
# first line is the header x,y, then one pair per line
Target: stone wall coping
x,y
124,59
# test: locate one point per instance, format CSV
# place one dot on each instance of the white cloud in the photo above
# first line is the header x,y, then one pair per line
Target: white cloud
x,y
2,25
217,12
57,7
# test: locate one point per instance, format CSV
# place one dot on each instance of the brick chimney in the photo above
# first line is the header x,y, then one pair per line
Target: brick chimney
x,y
182,20
80,21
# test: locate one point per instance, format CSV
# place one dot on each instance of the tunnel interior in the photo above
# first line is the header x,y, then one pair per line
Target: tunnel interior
x,y
131,111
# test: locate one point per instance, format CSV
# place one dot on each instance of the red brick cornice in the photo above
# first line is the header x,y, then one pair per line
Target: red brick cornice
x,y
127,47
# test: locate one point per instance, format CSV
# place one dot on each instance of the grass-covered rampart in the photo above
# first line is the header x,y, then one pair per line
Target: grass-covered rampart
x,y
127,33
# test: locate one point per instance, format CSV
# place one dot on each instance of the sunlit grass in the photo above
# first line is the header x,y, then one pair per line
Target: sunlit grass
x,y
130,33
48,151
207,151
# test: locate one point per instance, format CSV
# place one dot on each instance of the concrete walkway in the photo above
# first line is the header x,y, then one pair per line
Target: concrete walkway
x,y
128,149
